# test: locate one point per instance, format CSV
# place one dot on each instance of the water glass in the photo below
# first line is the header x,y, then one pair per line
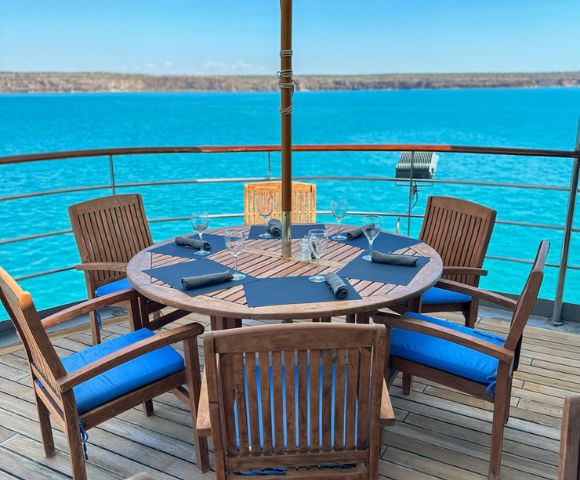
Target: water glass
x,y
265,208
371,229
339,209
318,242
200,221
235,239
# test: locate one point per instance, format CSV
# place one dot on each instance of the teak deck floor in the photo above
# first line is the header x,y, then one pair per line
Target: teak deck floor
x,y
440,433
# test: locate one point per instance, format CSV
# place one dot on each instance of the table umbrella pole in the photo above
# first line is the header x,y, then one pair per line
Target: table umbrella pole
x,y
286,83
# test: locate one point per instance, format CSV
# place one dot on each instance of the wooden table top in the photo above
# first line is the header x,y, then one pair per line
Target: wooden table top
x,y
262,259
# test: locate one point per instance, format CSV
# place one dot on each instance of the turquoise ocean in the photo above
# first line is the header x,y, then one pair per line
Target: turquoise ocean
x,y
542,118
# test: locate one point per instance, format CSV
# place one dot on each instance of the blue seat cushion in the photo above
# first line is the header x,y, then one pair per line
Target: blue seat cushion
x,y
124,378
121,284
437,296
445,355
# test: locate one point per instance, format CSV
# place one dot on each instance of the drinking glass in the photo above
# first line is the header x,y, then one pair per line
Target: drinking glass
x,y
200,221
371,229
317,241
235,239
265,207
339,209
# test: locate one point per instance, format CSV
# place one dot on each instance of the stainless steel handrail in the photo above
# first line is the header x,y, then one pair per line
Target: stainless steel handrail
x,y
568,228
446,181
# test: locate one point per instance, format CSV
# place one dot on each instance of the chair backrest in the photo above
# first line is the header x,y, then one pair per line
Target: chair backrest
x,y
570,440
303,394
459,231
303,201
109,229
44,362
528,297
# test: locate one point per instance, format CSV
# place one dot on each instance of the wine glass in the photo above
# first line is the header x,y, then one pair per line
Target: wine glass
x,y
235,239
339,209
265,207
200,221
317,241
371,229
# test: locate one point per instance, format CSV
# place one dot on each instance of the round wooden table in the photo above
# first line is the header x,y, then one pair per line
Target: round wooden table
x,y
262,259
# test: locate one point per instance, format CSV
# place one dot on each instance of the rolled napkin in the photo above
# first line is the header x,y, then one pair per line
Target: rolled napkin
x,y
394,259
275,227
337,285
357,232
192,243
199,281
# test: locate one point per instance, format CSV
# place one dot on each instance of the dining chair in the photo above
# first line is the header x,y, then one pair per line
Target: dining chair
x,y
472,361
86,388
109,231
570,440
302,401
460,232
303,201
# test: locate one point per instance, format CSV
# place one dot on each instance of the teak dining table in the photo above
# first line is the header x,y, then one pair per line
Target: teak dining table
x,y
262,258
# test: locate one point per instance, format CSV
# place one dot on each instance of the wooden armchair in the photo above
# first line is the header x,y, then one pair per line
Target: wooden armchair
x,y
303,201
460,232
472,361
284,400
570,440
89,387
109,231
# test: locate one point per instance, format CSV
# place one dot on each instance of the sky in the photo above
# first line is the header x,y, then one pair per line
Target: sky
x,y
241,37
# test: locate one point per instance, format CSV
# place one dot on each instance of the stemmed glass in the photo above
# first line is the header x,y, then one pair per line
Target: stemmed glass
x,y
339,209
265,207
200,221
317,241
235,239
371,229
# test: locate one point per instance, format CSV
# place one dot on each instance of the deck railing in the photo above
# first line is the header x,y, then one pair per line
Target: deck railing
x,y
113,186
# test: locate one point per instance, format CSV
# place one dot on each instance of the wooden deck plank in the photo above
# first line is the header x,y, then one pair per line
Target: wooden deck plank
x,y
440,433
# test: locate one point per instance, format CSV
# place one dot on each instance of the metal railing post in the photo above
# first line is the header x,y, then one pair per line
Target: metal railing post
x,y
269,165
411,193
112,175
559,300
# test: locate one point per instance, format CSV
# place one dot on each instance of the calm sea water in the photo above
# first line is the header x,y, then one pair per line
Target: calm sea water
x,y
524,118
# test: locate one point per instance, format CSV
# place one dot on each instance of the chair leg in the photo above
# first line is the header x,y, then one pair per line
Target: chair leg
x,y
471,314
508,401
95,330
45,428
499,414
75,444
193,370
407,381
220,469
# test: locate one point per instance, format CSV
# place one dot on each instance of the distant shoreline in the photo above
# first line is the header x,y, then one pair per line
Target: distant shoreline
x,y
99,82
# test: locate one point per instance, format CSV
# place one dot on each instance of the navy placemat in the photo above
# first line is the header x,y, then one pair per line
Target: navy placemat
x,y
291,290
297,231
217,243
379,272
385,242
172,274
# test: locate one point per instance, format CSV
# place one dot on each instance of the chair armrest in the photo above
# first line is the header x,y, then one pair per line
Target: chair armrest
x,y
90,306
451,270
110,266
203,422
387,416
130,352
421,326
478,293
